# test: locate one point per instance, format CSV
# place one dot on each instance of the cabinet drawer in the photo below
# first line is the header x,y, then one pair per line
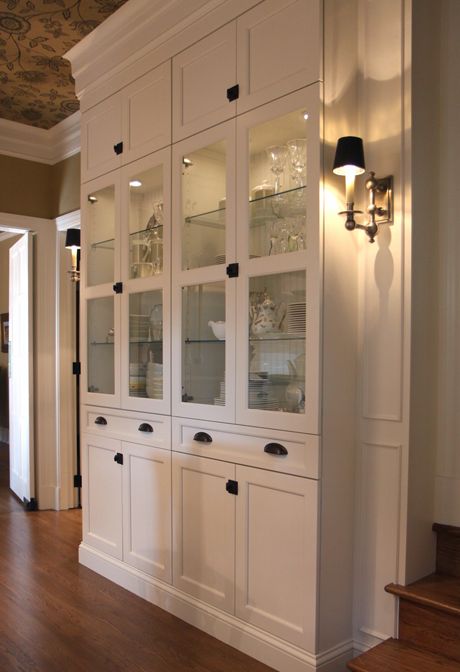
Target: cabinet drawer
x,y
286,452
128,426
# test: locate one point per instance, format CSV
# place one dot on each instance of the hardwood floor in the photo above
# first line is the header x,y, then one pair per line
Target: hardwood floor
x,y
57,616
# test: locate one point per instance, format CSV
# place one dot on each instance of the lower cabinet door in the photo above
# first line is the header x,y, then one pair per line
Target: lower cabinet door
x,y
276,553
204,529
147,509
102,501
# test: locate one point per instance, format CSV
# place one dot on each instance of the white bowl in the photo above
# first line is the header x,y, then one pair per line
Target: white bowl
x,y
218,329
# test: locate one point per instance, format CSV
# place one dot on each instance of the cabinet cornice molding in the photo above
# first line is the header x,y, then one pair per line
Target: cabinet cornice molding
x,y
37,144
145,28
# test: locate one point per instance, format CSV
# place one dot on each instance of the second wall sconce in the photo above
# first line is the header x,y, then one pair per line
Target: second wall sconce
x,y
349,162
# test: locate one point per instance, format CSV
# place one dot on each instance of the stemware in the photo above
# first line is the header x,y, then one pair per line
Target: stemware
x,y
277,154
298,160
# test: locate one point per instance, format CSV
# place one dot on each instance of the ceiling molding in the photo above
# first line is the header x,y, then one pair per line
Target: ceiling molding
x,y
36,144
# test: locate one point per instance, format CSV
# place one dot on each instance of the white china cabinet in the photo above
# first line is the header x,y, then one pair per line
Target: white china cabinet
x,y
201,328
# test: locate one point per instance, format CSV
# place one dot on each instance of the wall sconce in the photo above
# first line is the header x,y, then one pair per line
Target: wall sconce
x,y
349,161
72,243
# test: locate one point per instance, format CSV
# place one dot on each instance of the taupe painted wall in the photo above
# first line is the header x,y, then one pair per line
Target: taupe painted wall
x,y
38,190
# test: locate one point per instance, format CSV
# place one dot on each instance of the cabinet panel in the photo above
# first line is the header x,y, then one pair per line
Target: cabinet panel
x,y
147,113
201,76
128,426
203,530
101,130
276,554
279,50
147,509
102,507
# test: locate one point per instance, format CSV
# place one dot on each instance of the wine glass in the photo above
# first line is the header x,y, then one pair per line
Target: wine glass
x,y
277,154
298,159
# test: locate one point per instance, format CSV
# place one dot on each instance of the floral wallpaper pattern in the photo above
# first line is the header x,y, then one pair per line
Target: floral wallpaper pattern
x,y
36,85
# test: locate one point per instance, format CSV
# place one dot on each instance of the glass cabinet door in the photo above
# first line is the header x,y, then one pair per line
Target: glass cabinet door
x,y
278,183
203,338
100,345
100,236
278,298
146,344
146,219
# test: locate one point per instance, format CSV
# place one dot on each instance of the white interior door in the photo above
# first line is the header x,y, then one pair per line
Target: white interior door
x,y
22,475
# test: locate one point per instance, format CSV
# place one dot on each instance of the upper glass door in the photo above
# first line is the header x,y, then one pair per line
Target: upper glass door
x,y
278,299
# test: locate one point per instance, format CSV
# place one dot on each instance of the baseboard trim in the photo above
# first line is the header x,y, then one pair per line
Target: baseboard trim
x,y
228,629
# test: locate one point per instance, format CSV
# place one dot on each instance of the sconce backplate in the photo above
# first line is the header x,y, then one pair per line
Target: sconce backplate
x,y
384,200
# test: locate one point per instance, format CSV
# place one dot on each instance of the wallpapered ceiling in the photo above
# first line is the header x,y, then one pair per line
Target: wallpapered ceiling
x,y
36,85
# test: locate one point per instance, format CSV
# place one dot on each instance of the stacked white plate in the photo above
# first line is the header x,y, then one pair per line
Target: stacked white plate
x,y
154,381
220,400
260,395
296,317
220,258
137,379
138,327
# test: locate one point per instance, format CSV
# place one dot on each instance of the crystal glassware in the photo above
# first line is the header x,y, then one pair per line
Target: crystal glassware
x,y
298,160
277,155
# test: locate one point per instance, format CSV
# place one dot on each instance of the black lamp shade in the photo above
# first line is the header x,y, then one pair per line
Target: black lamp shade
x,y
348,155
72,238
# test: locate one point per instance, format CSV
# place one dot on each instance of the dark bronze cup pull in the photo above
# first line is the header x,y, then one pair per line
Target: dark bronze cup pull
x,y
100,420
202,437
275,449
145,427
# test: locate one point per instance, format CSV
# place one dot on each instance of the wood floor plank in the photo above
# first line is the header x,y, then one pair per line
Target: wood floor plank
x,y
396,656
57,615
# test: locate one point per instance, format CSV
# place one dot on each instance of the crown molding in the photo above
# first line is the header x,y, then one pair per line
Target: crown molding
x,y
141,29
37,144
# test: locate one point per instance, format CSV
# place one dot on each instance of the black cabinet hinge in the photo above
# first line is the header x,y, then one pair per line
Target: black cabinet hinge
x,y
232,487
118,288
76,368
77,481
118,458
233,93
233,270
118,148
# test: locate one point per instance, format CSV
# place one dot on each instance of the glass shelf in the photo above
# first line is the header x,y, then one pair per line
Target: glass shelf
x,y
143,341
300,336
191,341
214,218
104,244
147,231
102,343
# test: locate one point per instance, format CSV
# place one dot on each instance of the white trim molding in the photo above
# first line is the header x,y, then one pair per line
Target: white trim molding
x,y
69,221
37,144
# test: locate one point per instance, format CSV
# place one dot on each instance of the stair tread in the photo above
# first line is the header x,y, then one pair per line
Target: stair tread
x,y
436,590
394,655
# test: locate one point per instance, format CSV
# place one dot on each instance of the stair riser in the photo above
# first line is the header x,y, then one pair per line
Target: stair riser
x,y
448,554
429,629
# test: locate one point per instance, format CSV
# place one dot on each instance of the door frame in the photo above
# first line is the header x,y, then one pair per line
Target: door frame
x,y
53,471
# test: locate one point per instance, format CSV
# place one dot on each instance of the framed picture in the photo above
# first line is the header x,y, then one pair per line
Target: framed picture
x,y
4,327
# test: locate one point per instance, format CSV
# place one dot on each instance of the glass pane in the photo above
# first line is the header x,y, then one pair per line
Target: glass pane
x,y
101,346
146,223
277,321
203,206
101,235
146,344
203,331
278,185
